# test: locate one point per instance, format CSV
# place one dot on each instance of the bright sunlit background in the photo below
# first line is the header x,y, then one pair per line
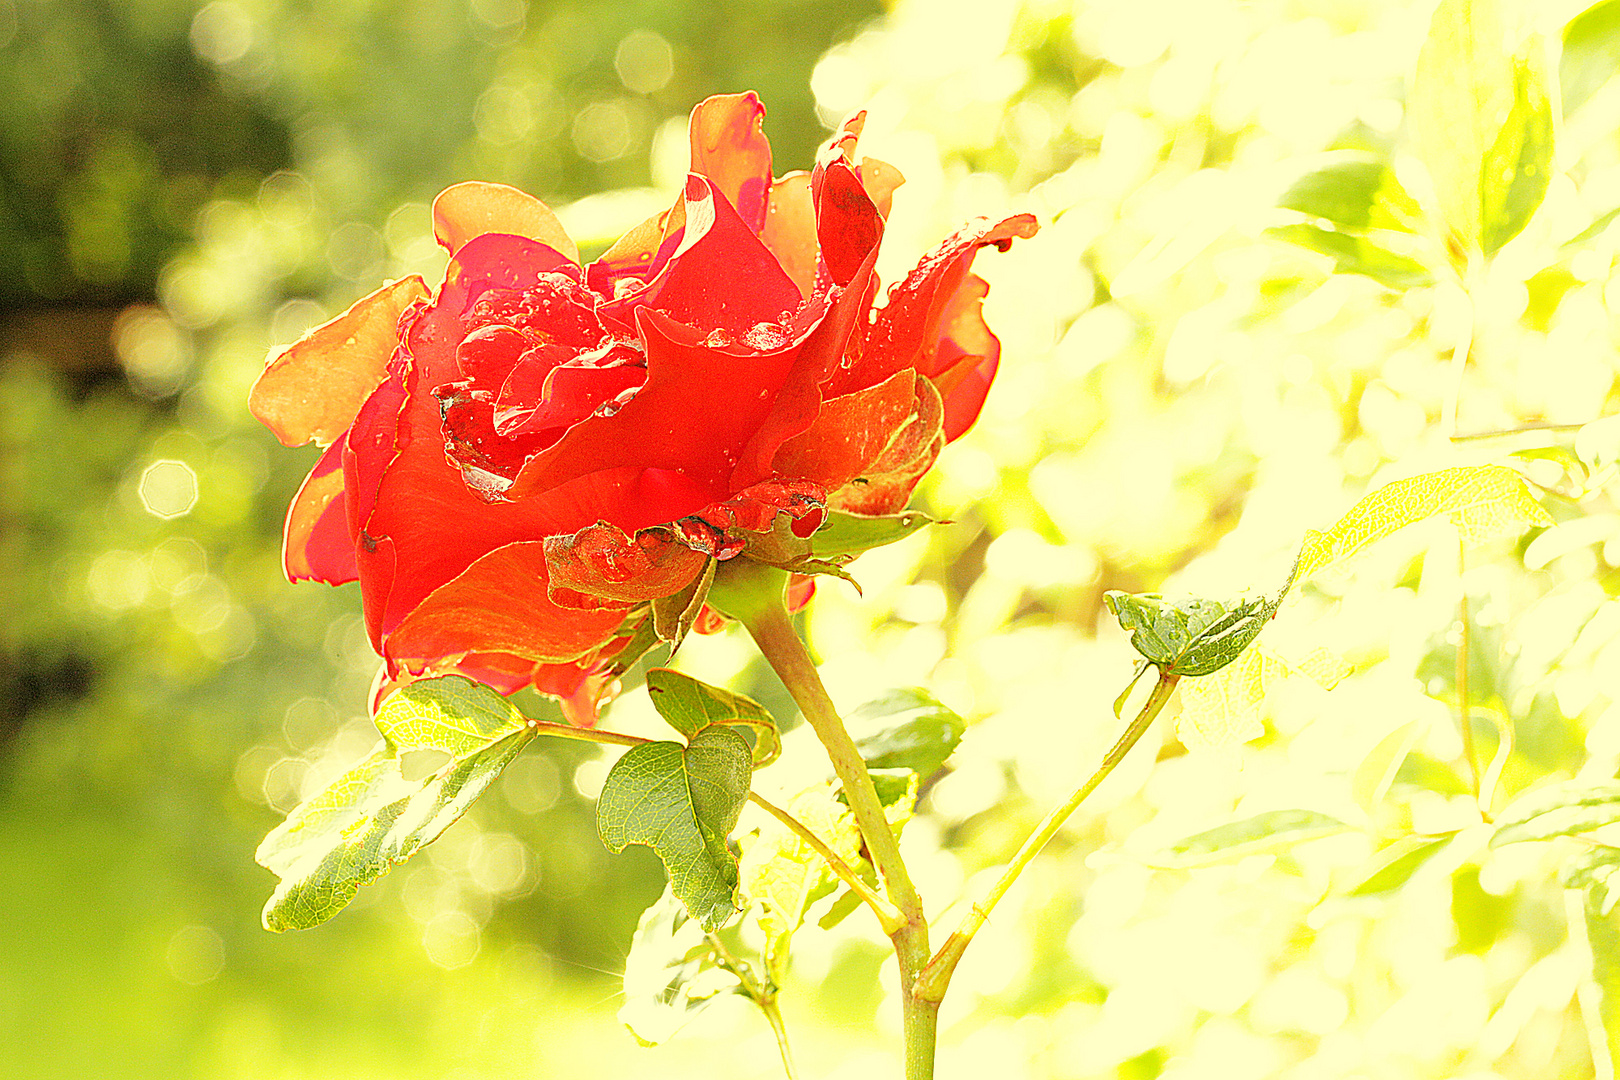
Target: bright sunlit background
x,y
183,187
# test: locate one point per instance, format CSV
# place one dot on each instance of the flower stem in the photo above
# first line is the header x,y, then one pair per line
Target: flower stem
x,y
752,594
888,915
931,984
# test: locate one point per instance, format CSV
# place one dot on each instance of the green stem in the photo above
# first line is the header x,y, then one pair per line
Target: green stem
x,y
931,984
763,996
888,915
773,1015
752,593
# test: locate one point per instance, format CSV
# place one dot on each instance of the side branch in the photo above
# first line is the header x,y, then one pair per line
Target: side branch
x,y
936,976
888,915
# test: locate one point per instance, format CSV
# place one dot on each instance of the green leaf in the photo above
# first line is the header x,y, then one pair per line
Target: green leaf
x,y
1193,636
1559,810
1355,191
690,705
672,973
1602,223
844,536
1357,255
682,801
1483,501
906,729
372,816
1516,169
1275,830
1462,93
1591,53
1394,865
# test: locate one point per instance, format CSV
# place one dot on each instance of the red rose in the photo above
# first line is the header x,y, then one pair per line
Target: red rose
x,y
519,462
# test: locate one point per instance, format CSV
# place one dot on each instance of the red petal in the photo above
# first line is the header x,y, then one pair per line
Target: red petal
x,y
709,621
850,432
630,497
312,388
717,529
730,148
603,560
696,411
966,361
498,604
468,210
498,261
316,542
848,225
800,588
908,329
568,394
411,509
798,402
720,278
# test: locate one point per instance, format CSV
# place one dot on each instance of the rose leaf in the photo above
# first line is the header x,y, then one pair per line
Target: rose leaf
x,y
682,801
690,705
784,876
376,814
906,729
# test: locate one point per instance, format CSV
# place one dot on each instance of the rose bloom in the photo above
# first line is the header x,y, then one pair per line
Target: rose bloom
x,y
520,461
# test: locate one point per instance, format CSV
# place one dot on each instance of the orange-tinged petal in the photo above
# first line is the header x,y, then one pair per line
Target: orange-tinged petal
x,y
499,605
730,148
474,208
312,389
886,485
603,560
880,179
316,543
850,432
790,229
640,253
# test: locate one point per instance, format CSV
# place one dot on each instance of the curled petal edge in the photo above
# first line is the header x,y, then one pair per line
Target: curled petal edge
x,y
465,211
311,390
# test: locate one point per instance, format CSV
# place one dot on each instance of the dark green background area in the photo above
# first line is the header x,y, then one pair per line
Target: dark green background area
x,y
133,752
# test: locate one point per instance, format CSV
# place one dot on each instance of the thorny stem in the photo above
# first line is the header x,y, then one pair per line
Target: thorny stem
x,y
568,731
888,915
934,979
752,594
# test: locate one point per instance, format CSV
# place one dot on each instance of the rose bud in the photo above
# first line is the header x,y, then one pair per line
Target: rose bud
x,y
527,465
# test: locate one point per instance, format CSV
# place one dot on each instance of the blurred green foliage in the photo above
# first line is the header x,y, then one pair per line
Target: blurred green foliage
x,y
1184,392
